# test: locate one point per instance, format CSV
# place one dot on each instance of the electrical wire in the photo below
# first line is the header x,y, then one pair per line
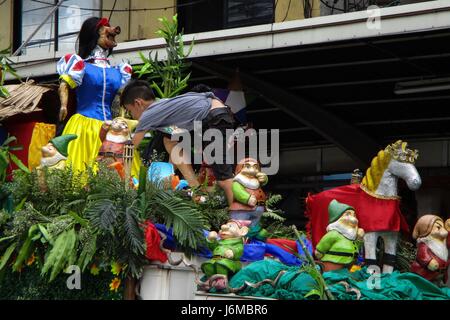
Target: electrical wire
x,y
287,11
307,9
112,10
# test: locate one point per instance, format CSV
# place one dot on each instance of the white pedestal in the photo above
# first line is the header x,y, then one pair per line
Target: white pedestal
x,y
162,281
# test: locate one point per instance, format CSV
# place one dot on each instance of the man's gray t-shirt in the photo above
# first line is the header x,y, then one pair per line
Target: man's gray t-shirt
x,y
180,111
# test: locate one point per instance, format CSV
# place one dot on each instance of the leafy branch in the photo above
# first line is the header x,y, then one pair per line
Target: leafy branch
x,y
5,68
168,77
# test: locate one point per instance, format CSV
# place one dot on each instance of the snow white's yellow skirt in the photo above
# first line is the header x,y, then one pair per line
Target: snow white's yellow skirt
x,y
83,151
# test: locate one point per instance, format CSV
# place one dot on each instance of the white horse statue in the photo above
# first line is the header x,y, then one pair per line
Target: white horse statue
x,y
375,200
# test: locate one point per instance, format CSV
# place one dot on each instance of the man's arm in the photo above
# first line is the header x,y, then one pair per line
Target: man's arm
x,y
138,136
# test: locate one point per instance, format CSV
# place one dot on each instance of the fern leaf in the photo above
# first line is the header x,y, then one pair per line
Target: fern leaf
x,y
133,233
87,253
102,214
273,215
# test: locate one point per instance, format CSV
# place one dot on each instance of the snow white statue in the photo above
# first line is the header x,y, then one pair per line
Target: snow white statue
x,y
96,83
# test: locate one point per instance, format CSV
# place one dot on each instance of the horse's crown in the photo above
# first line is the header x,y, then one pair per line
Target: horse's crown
x,y
400,152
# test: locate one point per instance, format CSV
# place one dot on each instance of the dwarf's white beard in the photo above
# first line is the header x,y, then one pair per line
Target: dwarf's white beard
x,y
348,232
51,161
439,248
251,183
116,138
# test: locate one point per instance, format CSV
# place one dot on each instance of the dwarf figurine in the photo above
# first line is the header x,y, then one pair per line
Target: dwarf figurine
x,y
432,253
226,252
54,154
248,197
114,136
339,247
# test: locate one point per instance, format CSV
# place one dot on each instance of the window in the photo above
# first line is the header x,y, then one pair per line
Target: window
x,y
241,13
69,18
211,15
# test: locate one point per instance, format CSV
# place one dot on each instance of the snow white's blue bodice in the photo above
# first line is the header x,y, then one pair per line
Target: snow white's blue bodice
x,y
96,84
94,100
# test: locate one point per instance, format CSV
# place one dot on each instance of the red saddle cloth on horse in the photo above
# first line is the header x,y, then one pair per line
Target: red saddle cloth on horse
x,y
374,214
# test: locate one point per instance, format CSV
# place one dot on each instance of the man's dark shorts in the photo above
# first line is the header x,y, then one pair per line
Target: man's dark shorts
x,y
220,119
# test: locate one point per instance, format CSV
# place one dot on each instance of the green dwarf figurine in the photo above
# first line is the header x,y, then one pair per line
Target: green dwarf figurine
x,y
339,247
54,154
226,252
248,197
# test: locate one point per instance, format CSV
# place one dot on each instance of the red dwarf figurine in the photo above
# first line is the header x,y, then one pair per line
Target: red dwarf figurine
x,y
114,135
432,252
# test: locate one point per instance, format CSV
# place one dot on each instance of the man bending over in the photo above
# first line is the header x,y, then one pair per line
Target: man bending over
x,y
181,111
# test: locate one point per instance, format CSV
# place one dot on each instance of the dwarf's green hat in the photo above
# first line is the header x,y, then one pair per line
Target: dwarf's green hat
x,y
61,143
336,209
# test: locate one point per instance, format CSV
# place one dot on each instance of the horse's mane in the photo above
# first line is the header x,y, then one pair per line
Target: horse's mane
x,y
377,167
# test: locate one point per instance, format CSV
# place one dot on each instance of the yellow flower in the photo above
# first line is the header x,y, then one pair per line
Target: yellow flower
x,y
116,268
115,284
355,268
95,270
31,260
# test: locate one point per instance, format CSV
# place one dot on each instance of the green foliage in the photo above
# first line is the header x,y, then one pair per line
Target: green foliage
x,y
318,290
5,67
96,222
273,221
168,78
29,285
406,254
174,211
214,210
61,254
7,157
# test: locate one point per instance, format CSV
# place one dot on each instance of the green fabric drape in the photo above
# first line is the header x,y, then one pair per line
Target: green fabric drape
x,y
296,285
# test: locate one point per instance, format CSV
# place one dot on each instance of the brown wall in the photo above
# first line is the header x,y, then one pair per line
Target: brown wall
x,y
138,25
287,10
6,24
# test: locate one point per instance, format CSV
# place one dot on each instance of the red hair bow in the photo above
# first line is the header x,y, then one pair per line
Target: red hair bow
x,y
103,22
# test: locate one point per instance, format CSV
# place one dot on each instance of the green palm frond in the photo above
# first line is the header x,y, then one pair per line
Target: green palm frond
x,y
187,221
134,237
102,214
